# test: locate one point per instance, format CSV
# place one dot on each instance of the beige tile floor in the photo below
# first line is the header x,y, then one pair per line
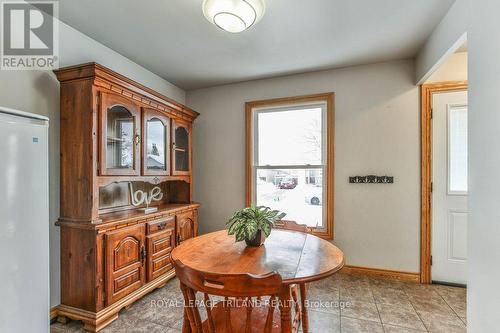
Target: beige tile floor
x,y
343,303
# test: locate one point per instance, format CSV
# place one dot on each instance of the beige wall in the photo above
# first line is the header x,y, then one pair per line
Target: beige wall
x,y
376,132
453,69
38,92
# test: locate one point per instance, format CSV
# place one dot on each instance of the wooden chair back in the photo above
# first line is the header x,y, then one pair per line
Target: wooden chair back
x,y
292,225
299,306
237,286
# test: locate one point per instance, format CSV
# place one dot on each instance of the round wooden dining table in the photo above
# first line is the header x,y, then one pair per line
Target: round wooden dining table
x,y
298,257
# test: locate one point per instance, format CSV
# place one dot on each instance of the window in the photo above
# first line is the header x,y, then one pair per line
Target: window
x,y
457,150
290,158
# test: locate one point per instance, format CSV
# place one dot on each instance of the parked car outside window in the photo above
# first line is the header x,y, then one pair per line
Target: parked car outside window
x,y
314,195
288,184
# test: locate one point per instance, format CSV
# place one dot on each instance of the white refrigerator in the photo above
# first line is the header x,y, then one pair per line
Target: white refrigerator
x,y
24,222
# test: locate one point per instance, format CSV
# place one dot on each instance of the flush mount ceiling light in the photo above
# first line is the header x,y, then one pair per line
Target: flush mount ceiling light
x,y
233,15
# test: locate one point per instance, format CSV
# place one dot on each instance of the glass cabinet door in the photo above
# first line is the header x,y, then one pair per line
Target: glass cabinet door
x,y
121,136
181,134
156,150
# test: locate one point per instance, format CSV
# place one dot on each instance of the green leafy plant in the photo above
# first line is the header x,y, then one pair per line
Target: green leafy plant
x,y
245,223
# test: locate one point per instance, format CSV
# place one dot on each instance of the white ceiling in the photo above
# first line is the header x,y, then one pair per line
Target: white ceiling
x,y
174,40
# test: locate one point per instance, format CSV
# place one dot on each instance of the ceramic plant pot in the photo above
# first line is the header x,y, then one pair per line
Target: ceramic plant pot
x,y
258,240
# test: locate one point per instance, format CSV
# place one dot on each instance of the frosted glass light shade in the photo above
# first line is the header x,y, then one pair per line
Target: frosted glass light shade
x,y
233,15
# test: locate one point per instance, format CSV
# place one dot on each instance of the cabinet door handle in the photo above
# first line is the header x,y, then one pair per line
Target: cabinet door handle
x,y
143,255
137,139
162,225
178,239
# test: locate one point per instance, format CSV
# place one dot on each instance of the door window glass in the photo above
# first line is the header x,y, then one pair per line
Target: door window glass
x,y
457,150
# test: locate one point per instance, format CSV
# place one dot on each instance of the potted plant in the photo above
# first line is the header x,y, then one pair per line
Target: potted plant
x,y
253,224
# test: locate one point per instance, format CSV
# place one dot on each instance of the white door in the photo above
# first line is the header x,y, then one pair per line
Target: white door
x,y
450,186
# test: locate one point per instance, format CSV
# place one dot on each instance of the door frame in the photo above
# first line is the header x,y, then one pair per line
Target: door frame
x,y
426,91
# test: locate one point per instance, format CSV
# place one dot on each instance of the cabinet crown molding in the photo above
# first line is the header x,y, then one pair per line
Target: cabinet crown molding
x,y
118,83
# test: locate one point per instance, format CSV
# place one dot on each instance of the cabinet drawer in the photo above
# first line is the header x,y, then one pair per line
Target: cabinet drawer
x,y
159,247
161,265
161,225
161,242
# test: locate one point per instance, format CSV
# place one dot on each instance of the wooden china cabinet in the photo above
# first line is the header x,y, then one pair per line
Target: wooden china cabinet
x,y
118,137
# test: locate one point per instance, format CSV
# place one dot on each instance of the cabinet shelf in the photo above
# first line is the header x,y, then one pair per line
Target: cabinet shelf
x,y
113,219
113,140
106,180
